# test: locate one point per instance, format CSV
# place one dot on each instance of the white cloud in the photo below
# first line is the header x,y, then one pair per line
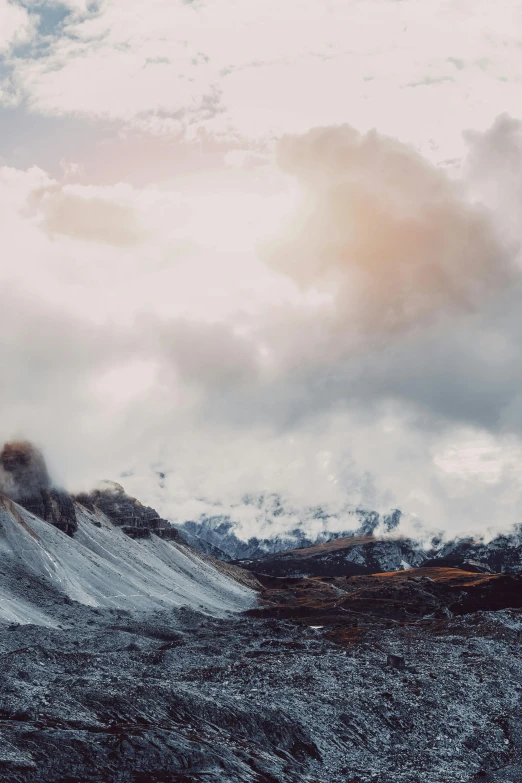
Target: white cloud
x,y
390,235
376,359
421,72
15,25
157,337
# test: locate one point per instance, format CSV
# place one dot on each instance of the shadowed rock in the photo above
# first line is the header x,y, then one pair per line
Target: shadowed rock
x,y
135,519
25,479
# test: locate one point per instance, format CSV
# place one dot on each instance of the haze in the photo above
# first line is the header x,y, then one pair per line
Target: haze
x,y
264,247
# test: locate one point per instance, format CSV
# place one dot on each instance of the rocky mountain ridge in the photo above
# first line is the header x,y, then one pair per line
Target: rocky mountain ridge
x,y
134,519
368,554
221,531
363,554
375,545
115,552
502,554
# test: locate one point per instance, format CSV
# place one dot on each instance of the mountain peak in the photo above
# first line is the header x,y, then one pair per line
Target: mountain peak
x,y
25,479
23,471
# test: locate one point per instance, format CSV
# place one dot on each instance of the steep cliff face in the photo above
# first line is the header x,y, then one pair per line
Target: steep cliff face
x,y
24,478
135,519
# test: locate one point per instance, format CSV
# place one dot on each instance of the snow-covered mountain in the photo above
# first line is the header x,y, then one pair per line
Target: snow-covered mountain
x,y
502,554
360,541
362,554
223,535
366,554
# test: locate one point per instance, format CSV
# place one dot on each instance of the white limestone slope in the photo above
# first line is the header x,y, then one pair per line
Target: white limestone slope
x,y
102,567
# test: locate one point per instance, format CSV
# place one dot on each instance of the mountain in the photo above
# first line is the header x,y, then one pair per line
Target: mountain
x,y
224,532
24,478
363,554
503,554
129,657
111,552
354,541
369,554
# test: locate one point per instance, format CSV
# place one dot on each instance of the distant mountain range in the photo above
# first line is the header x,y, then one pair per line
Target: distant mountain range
x,y
220,535
367,543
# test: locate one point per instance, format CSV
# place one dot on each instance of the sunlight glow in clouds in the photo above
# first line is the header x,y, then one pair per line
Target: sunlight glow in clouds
x,y
223,280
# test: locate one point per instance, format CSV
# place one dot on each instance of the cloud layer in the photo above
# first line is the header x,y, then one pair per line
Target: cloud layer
x,y
255,68
342,326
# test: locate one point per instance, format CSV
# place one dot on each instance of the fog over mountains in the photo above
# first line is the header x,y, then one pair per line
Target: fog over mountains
x,y
362,344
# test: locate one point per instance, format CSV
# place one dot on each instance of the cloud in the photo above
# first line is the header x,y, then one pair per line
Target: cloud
x,y
393,234
15,25
23,472
371,355
93,219
421,287
256,69
370,363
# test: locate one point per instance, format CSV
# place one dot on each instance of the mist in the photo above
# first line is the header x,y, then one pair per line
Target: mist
x,y
338,325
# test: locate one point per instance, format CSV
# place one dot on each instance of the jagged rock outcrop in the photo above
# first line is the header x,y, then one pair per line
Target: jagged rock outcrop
x,y
54,506
135,519
24,478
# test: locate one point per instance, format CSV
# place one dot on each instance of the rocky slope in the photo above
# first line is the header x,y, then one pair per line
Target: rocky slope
x,y
117,553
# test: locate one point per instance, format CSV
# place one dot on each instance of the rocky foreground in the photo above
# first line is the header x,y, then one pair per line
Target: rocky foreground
x,y
129,657
406,679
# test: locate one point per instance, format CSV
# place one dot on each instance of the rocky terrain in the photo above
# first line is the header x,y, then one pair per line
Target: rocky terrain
x,y
129,657
124,556
371,679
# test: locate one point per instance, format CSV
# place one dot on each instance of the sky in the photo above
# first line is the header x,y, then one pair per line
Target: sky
x,y
254,247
